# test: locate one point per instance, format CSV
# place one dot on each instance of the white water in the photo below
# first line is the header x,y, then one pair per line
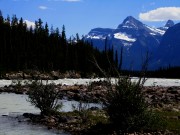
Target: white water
x,y
13,105
150,81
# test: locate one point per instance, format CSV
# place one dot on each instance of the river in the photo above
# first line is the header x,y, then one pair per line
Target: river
x,y
12,106
149,82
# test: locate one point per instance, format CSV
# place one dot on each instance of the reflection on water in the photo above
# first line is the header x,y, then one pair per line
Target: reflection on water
x,y
11,126
14,105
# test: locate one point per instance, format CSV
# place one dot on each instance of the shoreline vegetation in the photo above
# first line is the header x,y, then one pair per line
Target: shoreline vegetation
x,y
129,108
50,56
46,49
163,101
55,75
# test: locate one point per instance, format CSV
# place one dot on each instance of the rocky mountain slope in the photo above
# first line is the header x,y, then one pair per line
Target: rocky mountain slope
x,y
168,53
136,38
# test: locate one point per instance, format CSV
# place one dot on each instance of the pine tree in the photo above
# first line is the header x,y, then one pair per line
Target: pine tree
x,y
14,21
8,20
46,30
63,35
27,48
1,18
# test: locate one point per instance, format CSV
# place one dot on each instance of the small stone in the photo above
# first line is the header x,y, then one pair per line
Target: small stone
x,y
175,109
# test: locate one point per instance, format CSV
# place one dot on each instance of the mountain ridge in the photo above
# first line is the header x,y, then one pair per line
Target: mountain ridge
x,y
135,37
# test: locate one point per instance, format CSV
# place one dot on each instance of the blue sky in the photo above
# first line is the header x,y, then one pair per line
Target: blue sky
x,y
80,16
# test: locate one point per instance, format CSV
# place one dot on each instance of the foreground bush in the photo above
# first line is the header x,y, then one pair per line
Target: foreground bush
x,y
44,97
127,108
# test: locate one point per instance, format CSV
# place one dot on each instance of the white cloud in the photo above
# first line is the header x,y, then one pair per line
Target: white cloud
x,y
30,24
43,7
161,14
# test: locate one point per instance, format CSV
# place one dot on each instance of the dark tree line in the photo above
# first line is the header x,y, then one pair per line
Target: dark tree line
x,y
46,49
169,72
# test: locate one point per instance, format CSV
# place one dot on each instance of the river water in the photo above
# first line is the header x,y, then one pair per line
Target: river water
x,y
12,106
149,82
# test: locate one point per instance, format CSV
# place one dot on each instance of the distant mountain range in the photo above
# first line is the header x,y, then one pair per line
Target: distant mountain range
x,y
136,38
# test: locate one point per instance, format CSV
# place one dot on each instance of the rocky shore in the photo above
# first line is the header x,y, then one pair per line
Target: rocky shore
x,y
74,124
34,74
158,98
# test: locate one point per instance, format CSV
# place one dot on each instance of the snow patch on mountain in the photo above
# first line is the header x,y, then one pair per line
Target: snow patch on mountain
x,y
156,31
124,36
96,37
130,25
153,34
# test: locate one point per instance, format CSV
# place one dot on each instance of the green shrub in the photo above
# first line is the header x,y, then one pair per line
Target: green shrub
x,y
127,108
44,97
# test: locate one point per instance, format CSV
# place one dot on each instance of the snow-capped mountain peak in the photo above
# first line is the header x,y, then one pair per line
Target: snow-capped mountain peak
x,y
131,22
136,39
99,33
169,23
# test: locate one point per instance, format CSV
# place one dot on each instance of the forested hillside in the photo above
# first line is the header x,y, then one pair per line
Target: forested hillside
x,y
45,49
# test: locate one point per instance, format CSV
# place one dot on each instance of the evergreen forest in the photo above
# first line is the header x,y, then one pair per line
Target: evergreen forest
x,y
46,49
